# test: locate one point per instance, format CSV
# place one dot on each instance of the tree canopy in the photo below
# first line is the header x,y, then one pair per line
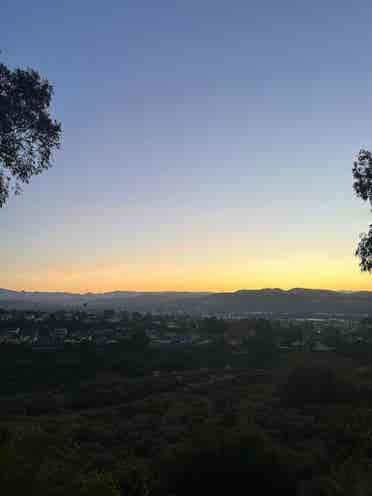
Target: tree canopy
x,y
362,174
28,134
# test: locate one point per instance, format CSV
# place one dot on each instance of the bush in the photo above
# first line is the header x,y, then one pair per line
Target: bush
x,y
100,484
311,384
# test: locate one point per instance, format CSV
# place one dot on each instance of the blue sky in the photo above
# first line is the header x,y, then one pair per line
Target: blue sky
x,y
206,144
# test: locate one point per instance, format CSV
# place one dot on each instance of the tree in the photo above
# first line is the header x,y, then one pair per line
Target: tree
x,y
28,134
362,173
139,340
312,384
212,325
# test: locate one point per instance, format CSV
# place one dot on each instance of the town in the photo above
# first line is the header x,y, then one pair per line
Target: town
x,y
55,330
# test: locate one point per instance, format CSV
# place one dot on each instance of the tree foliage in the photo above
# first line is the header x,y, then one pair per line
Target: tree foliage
x,y
362,174
28,134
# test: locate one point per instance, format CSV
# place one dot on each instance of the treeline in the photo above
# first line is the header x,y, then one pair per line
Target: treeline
x,y
23,369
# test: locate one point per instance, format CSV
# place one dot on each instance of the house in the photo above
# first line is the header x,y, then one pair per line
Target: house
x,y
6,316
321,347
60,333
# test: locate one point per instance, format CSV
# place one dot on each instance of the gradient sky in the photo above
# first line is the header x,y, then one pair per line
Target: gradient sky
x,y
207,145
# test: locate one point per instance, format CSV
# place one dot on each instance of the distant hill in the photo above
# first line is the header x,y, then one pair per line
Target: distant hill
x,y
293,301
273,301
131,300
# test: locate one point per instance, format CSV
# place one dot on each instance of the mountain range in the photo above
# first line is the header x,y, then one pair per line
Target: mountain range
x,y
263,301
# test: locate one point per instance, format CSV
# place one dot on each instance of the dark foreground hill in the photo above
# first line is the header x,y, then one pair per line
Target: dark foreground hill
x,y
274,301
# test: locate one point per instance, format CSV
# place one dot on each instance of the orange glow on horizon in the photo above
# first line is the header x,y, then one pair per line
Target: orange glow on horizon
x,y
303,271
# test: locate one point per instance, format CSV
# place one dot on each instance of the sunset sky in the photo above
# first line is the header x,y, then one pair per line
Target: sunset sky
x,y
207,144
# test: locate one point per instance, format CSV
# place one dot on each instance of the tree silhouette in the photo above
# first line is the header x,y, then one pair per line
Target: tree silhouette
x,y
28,135
362,173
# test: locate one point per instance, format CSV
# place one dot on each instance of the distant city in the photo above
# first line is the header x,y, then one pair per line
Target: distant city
x,y
55,330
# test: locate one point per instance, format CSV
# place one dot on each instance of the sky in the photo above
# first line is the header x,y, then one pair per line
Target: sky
x,y
207,145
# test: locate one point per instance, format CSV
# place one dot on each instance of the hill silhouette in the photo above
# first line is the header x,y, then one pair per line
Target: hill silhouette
x,y
274,301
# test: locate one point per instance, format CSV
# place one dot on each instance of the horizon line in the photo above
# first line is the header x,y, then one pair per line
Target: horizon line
x,y
199,291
